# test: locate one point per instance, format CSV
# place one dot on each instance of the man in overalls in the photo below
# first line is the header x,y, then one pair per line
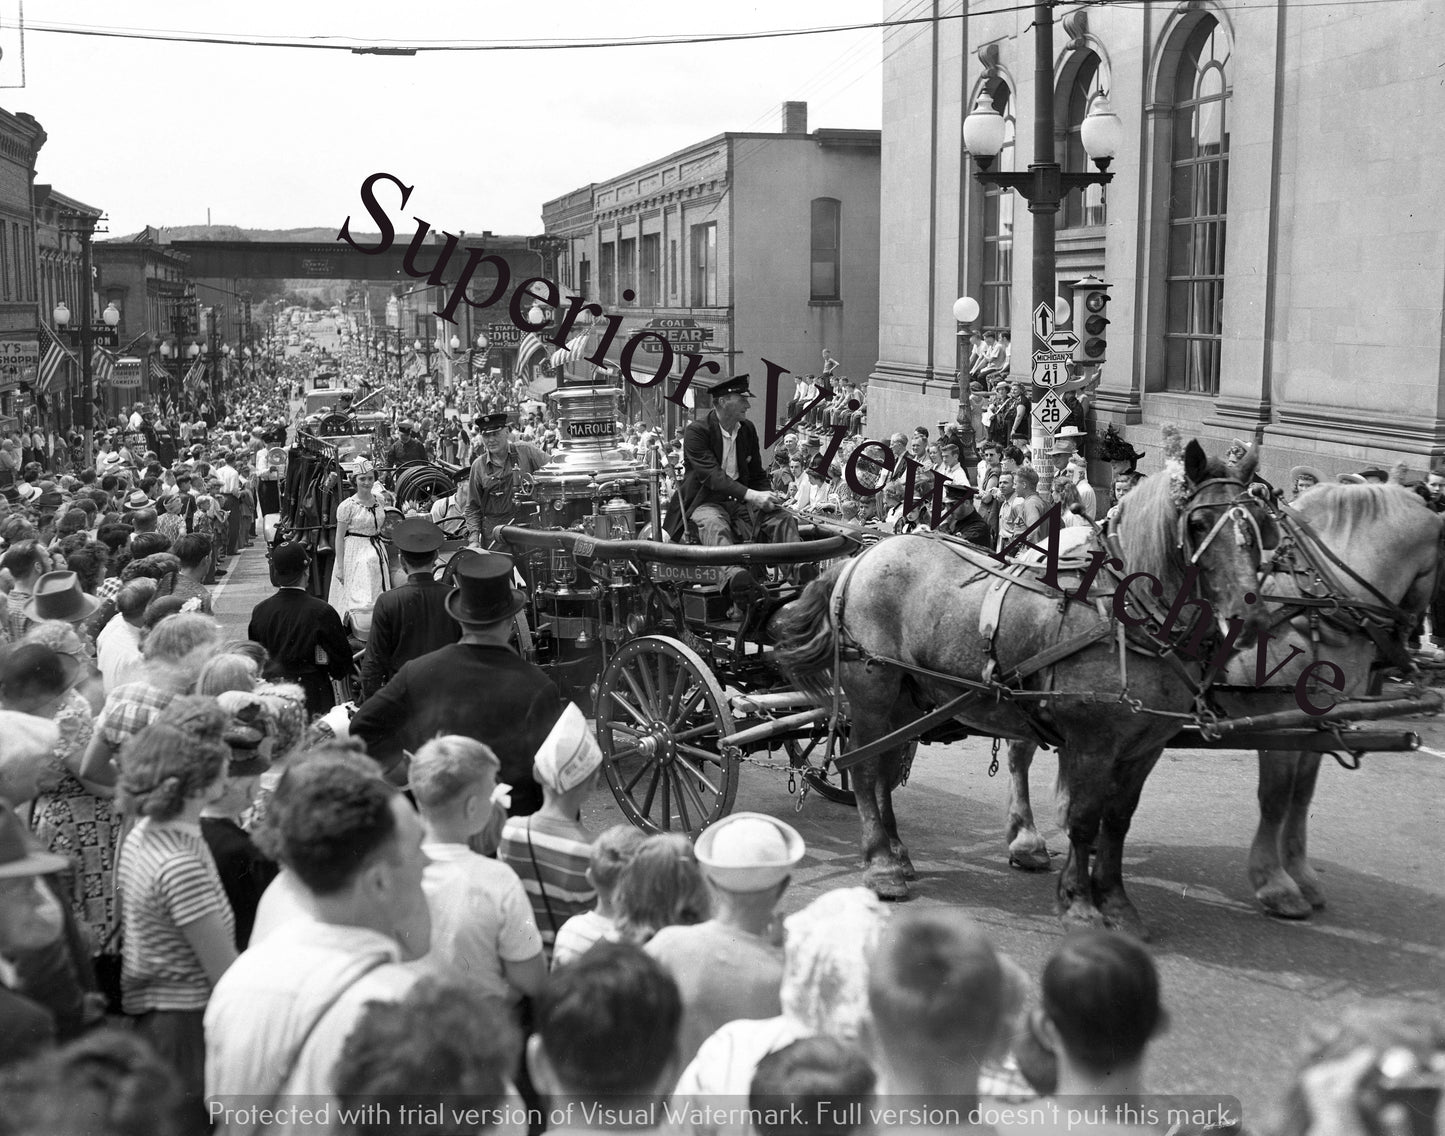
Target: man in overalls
x,y
496,477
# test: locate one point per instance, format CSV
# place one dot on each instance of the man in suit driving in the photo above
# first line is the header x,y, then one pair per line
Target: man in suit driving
x,y
726,492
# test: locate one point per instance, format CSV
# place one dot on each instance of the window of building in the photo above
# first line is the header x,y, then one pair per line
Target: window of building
x,y
1198,201
704,265
608,273
5,260
672,268
584,278
627,268
998,224
1082,207
650,294
827,228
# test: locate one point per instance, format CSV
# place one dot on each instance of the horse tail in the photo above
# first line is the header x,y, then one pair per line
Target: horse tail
x,y
807,637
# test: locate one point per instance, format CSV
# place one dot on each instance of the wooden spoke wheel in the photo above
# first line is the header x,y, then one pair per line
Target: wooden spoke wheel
x,y
828,781
661,720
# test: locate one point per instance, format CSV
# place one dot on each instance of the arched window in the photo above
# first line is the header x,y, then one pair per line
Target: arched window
x,y
998,223
1082,207
1198,202
827,226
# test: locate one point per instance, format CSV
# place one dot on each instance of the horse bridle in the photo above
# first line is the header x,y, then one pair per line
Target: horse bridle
x,y
1234,513
1376,617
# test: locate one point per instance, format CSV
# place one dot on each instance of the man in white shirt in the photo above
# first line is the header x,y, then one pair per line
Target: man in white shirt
x,y
278,1018
950,467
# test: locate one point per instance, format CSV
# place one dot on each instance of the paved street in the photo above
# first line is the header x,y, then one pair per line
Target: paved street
x,y
1240,985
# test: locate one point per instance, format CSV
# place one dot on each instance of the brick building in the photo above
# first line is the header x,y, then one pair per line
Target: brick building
x,y
21,138
741,247
150,283
1271,232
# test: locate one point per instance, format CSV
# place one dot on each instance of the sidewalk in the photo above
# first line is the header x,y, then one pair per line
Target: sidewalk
x,y
246,583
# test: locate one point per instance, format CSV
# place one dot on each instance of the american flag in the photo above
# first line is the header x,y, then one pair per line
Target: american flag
x,y
158,372
51,355
102,366
194,377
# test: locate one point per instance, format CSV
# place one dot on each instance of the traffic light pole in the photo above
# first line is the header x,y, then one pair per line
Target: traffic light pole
x,y
1043,186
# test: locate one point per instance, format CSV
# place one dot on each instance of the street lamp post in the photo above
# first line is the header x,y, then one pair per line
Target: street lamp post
x,y
1043,186
424,349
111,317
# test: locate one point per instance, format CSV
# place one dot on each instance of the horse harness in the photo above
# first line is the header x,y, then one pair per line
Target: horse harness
x,y
1129,636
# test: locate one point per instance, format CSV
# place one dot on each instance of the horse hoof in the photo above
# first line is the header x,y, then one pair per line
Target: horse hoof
x,y
1081,917
1284,903
1310,890
1124,919
888,885
1029,855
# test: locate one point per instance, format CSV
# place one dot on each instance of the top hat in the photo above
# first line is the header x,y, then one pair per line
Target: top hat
x,y
738,384
18,854
58,595
489,422
748,852
417,536
484,592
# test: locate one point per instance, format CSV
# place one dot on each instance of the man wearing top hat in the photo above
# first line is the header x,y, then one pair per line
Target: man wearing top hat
x,y
491,500
301,632
477,687
726,492
412,620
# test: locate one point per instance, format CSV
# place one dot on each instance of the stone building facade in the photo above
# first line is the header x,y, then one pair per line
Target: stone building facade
x,y
742,247
1271,233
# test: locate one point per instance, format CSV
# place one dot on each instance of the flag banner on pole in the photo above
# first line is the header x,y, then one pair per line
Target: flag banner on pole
x,y
52,354
102,366
159,373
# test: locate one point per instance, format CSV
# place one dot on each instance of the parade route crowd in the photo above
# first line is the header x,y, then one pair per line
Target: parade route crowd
x,y
227,904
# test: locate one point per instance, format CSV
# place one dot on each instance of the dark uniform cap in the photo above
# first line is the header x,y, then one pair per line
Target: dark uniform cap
x,y
738,384
417,536
489,422
290,559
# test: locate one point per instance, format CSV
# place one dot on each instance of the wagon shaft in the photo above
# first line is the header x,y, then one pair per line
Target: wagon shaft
x,y
1304,741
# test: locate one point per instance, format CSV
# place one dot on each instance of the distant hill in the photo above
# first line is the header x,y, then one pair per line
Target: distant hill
x,y
236,233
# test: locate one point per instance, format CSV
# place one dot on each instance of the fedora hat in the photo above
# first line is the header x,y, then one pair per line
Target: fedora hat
x,y
1306,471
484,592
58,595
1070,431
138,499
18,855
748,852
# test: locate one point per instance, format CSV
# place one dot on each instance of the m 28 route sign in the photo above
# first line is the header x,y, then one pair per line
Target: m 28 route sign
x,y
1049,412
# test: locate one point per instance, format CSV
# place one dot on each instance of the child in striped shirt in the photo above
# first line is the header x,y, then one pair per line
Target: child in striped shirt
x,y
551,850
177,923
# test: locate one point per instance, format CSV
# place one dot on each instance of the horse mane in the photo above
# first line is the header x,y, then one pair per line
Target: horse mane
x,y
1335,510
1147,527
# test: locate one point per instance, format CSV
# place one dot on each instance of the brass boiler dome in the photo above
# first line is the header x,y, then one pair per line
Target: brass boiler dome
x,y
587,455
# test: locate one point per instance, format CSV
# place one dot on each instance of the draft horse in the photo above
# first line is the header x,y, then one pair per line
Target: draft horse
x,y
1357,566
901,628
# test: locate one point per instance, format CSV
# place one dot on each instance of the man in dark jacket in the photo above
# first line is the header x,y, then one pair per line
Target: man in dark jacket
x,y
726,492
302,634
410,621
478,687
407,449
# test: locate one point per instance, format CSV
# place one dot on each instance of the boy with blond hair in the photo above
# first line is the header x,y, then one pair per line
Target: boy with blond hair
x,y
612,852
482,924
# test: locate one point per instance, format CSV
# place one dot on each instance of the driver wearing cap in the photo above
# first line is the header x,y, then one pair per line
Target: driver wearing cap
x,y
726,492
492,489
410,621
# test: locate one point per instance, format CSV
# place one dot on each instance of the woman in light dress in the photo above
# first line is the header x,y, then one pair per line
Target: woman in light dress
x,y
361,572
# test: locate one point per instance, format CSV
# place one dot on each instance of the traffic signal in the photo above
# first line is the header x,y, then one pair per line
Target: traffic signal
x,y
1090,297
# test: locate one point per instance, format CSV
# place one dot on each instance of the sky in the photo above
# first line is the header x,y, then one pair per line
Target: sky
x,y
266,137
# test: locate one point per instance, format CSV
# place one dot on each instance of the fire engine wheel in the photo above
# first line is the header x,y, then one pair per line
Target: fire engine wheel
x,y
661,720
827,780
